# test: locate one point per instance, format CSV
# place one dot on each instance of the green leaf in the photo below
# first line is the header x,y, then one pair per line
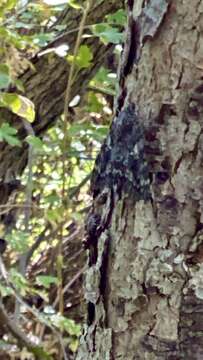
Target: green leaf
x,y
76,128
11,101
23,25
5,290
35,141
54,215
94,105
74,4
4,76
66,324
104,78
8,134
107,34
71,327
119,17
19,105
19,281
8,5
52,199
18,240
74,345
46,280
101,75
83,58
18,83
43,39
5,346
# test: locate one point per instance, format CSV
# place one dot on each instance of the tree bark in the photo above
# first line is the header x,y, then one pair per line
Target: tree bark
x,y
144,283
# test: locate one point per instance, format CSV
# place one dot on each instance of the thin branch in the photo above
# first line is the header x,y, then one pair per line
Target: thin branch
x,y
100,90
66,140
71,282
36,244
28,203
77,188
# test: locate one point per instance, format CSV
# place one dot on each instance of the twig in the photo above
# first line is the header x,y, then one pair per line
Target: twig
x,y
71,282
76,189
36,244
66,140
100,90
28,203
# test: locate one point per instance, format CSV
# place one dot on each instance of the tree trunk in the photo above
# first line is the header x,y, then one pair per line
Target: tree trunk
x,y
145,230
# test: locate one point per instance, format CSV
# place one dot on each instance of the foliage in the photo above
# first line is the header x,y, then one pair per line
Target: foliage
x,y
8,134
43,208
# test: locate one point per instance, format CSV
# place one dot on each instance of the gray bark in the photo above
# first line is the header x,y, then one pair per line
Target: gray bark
x,y
144,282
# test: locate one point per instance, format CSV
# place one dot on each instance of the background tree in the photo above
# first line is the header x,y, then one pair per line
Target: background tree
x,y
44,178
144,229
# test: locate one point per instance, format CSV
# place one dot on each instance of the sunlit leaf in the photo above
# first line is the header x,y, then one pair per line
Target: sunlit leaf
x,y
66,324
84,57
75,4
74,345
19,105
18,240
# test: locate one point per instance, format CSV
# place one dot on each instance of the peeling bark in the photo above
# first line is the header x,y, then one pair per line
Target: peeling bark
x,y
150,255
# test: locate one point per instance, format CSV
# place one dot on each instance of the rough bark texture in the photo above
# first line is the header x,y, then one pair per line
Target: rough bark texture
x,y
45,84
144,284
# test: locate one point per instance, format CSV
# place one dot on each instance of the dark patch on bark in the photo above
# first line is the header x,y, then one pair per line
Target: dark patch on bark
x,y
191,327
121,100
160,348
90,313
170,202
104,276
93,230
165,111
133,48
121,165
130,4
161,177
